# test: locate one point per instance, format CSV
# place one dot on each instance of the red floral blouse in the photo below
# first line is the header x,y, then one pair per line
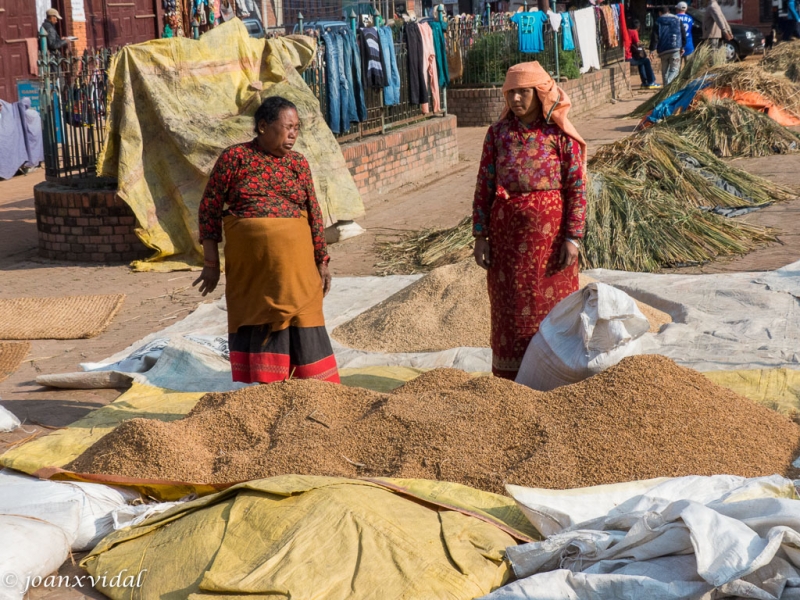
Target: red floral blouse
x,y
530,159
253,183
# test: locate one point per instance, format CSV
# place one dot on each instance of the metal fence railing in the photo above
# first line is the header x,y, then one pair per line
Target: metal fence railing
x,y
482,51
485,52
72,103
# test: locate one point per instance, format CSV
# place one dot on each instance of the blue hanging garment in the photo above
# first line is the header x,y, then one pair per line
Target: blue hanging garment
x,y
566,32
530,28
391,93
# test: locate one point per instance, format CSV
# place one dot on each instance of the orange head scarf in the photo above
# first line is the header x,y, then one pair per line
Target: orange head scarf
x,y
555,102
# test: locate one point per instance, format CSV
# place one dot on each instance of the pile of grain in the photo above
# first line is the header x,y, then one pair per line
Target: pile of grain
x,y
448,308
646,417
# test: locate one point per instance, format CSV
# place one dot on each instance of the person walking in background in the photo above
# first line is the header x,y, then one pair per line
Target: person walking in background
x,y
715,26
793,25
54,41
640,58
529,211
668,39
688,23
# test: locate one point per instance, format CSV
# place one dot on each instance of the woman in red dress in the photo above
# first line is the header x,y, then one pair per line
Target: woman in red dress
x,y
276,263
529,211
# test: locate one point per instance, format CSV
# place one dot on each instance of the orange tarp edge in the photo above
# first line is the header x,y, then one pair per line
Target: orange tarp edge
x,y
755,101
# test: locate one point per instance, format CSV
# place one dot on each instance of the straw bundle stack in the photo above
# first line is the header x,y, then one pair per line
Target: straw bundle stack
x,y
728,129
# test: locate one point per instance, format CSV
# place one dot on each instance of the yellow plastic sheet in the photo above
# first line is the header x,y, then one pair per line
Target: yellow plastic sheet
x,y
176,103
778,389
309,538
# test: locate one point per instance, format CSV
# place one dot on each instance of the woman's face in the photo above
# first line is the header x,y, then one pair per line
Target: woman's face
x,y
523,101
279,137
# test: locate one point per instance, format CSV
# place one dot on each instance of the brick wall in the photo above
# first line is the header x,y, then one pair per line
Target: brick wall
x,y
384,162
481,107
86,225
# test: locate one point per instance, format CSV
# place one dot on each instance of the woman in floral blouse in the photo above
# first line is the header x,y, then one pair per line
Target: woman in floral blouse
x,y
529,211
276,261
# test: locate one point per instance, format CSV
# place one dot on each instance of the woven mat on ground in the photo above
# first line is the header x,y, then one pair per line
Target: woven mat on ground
x,y
11,354
58,318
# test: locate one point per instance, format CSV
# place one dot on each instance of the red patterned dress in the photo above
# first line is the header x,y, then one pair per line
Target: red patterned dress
x,y
274,242
530,196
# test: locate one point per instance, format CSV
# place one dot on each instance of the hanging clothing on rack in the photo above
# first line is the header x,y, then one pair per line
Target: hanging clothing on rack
x,y
371,61
586,29
625,36
567,43
615,20
391,92
555,20
336,108
429,63
440,46
346,83
530,31
575,39
354,75
606,17
417,82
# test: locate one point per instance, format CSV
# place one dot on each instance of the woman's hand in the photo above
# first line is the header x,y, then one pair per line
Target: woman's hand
x,y
482,253
208,280
325,275
569,254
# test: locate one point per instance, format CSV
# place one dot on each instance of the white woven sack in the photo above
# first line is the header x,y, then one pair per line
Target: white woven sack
x,y
586,333
8,422
31,548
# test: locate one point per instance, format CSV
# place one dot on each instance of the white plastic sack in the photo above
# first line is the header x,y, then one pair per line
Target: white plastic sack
x,y
29,548
663,539
83,511
586,333
8,421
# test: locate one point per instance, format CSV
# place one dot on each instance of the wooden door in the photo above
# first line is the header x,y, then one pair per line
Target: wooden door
x,y
130,21
146,20
17,22
95,23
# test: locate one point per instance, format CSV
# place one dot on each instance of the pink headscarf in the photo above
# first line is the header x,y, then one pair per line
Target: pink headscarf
x,y
555,102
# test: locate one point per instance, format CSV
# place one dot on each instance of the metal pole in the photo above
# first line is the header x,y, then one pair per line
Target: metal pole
x,y
353,20
300,22
555,35
43,42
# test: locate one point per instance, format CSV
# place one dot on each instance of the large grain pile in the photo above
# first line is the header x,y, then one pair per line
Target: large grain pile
x,y
646,417
448,308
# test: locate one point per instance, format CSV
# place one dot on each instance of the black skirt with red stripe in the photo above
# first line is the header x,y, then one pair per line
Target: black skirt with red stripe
x,y
260,355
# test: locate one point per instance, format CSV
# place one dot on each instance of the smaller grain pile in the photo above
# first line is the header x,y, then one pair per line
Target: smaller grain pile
x,y
448,308
645,417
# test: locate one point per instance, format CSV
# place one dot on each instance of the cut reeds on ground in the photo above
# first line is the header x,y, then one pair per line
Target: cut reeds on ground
x,y
728,129
634,226
751,77
685,171
782,57
631,225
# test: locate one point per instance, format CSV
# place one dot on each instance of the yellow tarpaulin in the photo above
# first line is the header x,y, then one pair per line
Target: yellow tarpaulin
x,y
778,389
312,538
176,103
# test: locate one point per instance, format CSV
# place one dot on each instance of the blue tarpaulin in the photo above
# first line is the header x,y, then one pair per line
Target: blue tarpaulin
x,y
679,101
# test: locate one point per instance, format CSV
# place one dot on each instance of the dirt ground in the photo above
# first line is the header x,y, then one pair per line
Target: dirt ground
x,y
155,300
